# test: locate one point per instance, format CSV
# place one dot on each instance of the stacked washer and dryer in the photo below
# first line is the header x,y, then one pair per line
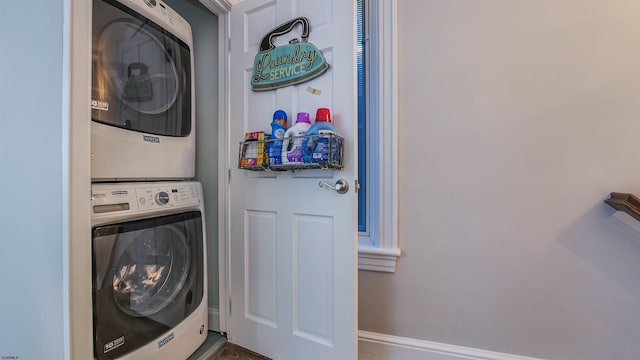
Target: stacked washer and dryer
x,y
148,224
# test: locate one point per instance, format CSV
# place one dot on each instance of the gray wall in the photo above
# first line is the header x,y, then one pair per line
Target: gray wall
x,y
31,149
204,26
517,118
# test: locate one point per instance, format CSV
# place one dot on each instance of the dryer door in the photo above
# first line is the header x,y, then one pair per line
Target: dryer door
x,y
141,73
148,277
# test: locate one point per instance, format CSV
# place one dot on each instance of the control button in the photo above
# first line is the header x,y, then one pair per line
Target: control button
x,y
142,200
151,3
162,198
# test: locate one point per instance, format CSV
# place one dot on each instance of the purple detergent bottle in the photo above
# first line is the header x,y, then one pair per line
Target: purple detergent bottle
x,y
292,143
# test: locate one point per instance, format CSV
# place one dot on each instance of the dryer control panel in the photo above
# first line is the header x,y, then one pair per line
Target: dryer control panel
x,y
127,198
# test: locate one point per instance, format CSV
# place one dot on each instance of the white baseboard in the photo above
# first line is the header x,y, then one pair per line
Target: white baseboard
x,y
214,320
375,346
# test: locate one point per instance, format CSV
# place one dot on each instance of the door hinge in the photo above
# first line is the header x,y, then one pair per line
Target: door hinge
x,y
357,185
229,306
229,176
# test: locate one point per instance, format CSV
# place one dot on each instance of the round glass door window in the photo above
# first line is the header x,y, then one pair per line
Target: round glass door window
x,y
138,67
151,271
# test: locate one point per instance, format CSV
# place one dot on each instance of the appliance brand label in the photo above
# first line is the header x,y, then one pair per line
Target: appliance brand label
x,y
151,139
165,340
114,344
119,192
99,105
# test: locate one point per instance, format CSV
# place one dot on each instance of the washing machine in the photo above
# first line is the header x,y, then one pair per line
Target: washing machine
x,y
149,270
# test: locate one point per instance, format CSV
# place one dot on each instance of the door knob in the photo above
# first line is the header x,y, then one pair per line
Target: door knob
x,y
341,186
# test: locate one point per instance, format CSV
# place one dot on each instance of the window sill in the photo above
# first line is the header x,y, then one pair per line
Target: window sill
x,y
377,259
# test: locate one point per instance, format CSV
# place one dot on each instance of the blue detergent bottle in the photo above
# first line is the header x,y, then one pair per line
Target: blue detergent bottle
x,y
315,148
278,129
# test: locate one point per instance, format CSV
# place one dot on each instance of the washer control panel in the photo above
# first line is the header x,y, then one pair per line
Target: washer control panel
x,y
124,198
152,197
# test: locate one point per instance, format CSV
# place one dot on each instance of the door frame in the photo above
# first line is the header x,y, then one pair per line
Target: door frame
x,y
222,9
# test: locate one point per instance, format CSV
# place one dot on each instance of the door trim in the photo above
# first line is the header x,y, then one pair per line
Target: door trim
x,y
222,9
224,169
77,311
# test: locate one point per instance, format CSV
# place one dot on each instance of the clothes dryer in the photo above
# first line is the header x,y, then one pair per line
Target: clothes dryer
x,y
149,277
142,98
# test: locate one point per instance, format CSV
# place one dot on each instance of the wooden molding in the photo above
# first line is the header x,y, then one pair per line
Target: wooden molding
x,y
376,346
219,7
627,203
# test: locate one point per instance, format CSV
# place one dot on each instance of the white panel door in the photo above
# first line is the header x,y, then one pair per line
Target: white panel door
x,y
293,244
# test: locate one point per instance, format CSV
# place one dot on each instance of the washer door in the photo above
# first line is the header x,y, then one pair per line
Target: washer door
x,y
150,269
148,278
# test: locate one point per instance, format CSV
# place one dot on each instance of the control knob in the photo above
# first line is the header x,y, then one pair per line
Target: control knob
x,y
162,198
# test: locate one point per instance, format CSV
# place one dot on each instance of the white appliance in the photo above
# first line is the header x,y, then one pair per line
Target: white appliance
x,y
149,270
142,99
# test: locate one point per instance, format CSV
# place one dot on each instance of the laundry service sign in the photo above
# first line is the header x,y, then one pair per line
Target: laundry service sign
x,y
279,66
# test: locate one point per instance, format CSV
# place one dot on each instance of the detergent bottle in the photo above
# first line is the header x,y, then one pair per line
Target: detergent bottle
x,y
292,143
316,148
278,129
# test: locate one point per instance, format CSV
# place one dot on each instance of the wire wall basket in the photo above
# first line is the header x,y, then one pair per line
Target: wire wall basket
x,y
297,152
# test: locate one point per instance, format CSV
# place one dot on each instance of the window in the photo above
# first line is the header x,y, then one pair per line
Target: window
x,y
362,119
377,133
